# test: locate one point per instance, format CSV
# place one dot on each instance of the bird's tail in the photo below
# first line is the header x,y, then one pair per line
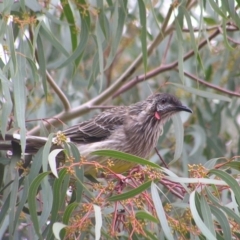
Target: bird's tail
x,y
33,143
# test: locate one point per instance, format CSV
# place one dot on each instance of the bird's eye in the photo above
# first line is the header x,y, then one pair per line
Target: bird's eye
x,y
163,101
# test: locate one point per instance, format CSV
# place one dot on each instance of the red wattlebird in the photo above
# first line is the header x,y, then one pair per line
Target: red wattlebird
x,y
133,129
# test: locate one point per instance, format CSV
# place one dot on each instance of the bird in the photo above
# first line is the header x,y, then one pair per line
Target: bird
x,y
133,129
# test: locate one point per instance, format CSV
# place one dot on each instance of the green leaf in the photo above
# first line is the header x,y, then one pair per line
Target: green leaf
x,y
70,18
217,9
226,42
178,126
79,171
199,137
94,70
160,212
42,63
19,94
83,10
58,195
32,201
230,213
57,227
125,156
77,54
234,165
22,201
4,210
233,184
33,5
143,21
146,216
119,17
180,51
104,24
99,37
206,215
46,150
230,7
36,165
47,34
33,68
47,199
210,21
68,212
223,221
6,104
131,193
193,41
13,201
13,55
204,229
53,161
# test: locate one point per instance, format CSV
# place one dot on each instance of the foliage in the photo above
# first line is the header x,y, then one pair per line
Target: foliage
x,y
60,60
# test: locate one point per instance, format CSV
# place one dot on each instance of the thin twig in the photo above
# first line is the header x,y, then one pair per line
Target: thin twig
x,y
233,41
101,107
208,29
199,80
59,92
159,155
163,68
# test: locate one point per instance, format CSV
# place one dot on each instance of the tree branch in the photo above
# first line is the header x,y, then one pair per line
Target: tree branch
x,y
199,80
59,92
163,68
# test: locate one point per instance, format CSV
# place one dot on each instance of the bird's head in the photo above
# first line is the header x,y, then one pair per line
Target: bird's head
x,y
164,105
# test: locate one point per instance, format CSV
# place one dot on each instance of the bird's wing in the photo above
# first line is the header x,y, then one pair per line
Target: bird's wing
x,y
98,128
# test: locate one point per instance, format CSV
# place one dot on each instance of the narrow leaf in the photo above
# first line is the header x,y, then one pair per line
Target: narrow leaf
x,y
223,221
99,37
143,21
32,201
204,229
229,180
178,127
131,193
125,156
72,27
206,213
146,216
160,212
80,48
98,221
52,161
57,227
180,51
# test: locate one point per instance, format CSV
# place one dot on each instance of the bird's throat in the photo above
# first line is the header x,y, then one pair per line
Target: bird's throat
x,y
157,116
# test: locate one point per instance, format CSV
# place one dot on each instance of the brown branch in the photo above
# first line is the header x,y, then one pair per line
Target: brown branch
x,y
163,68
160,157
199,80
101,107
233,41
230,28
59,92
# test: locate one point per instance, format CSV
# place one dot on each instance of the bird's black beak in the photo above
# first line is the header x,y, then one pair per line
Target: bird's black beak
x,y
183,108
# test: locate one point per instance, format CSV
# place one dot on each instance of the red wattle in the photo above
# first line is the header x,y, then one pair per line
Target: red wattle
x,y
157,115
